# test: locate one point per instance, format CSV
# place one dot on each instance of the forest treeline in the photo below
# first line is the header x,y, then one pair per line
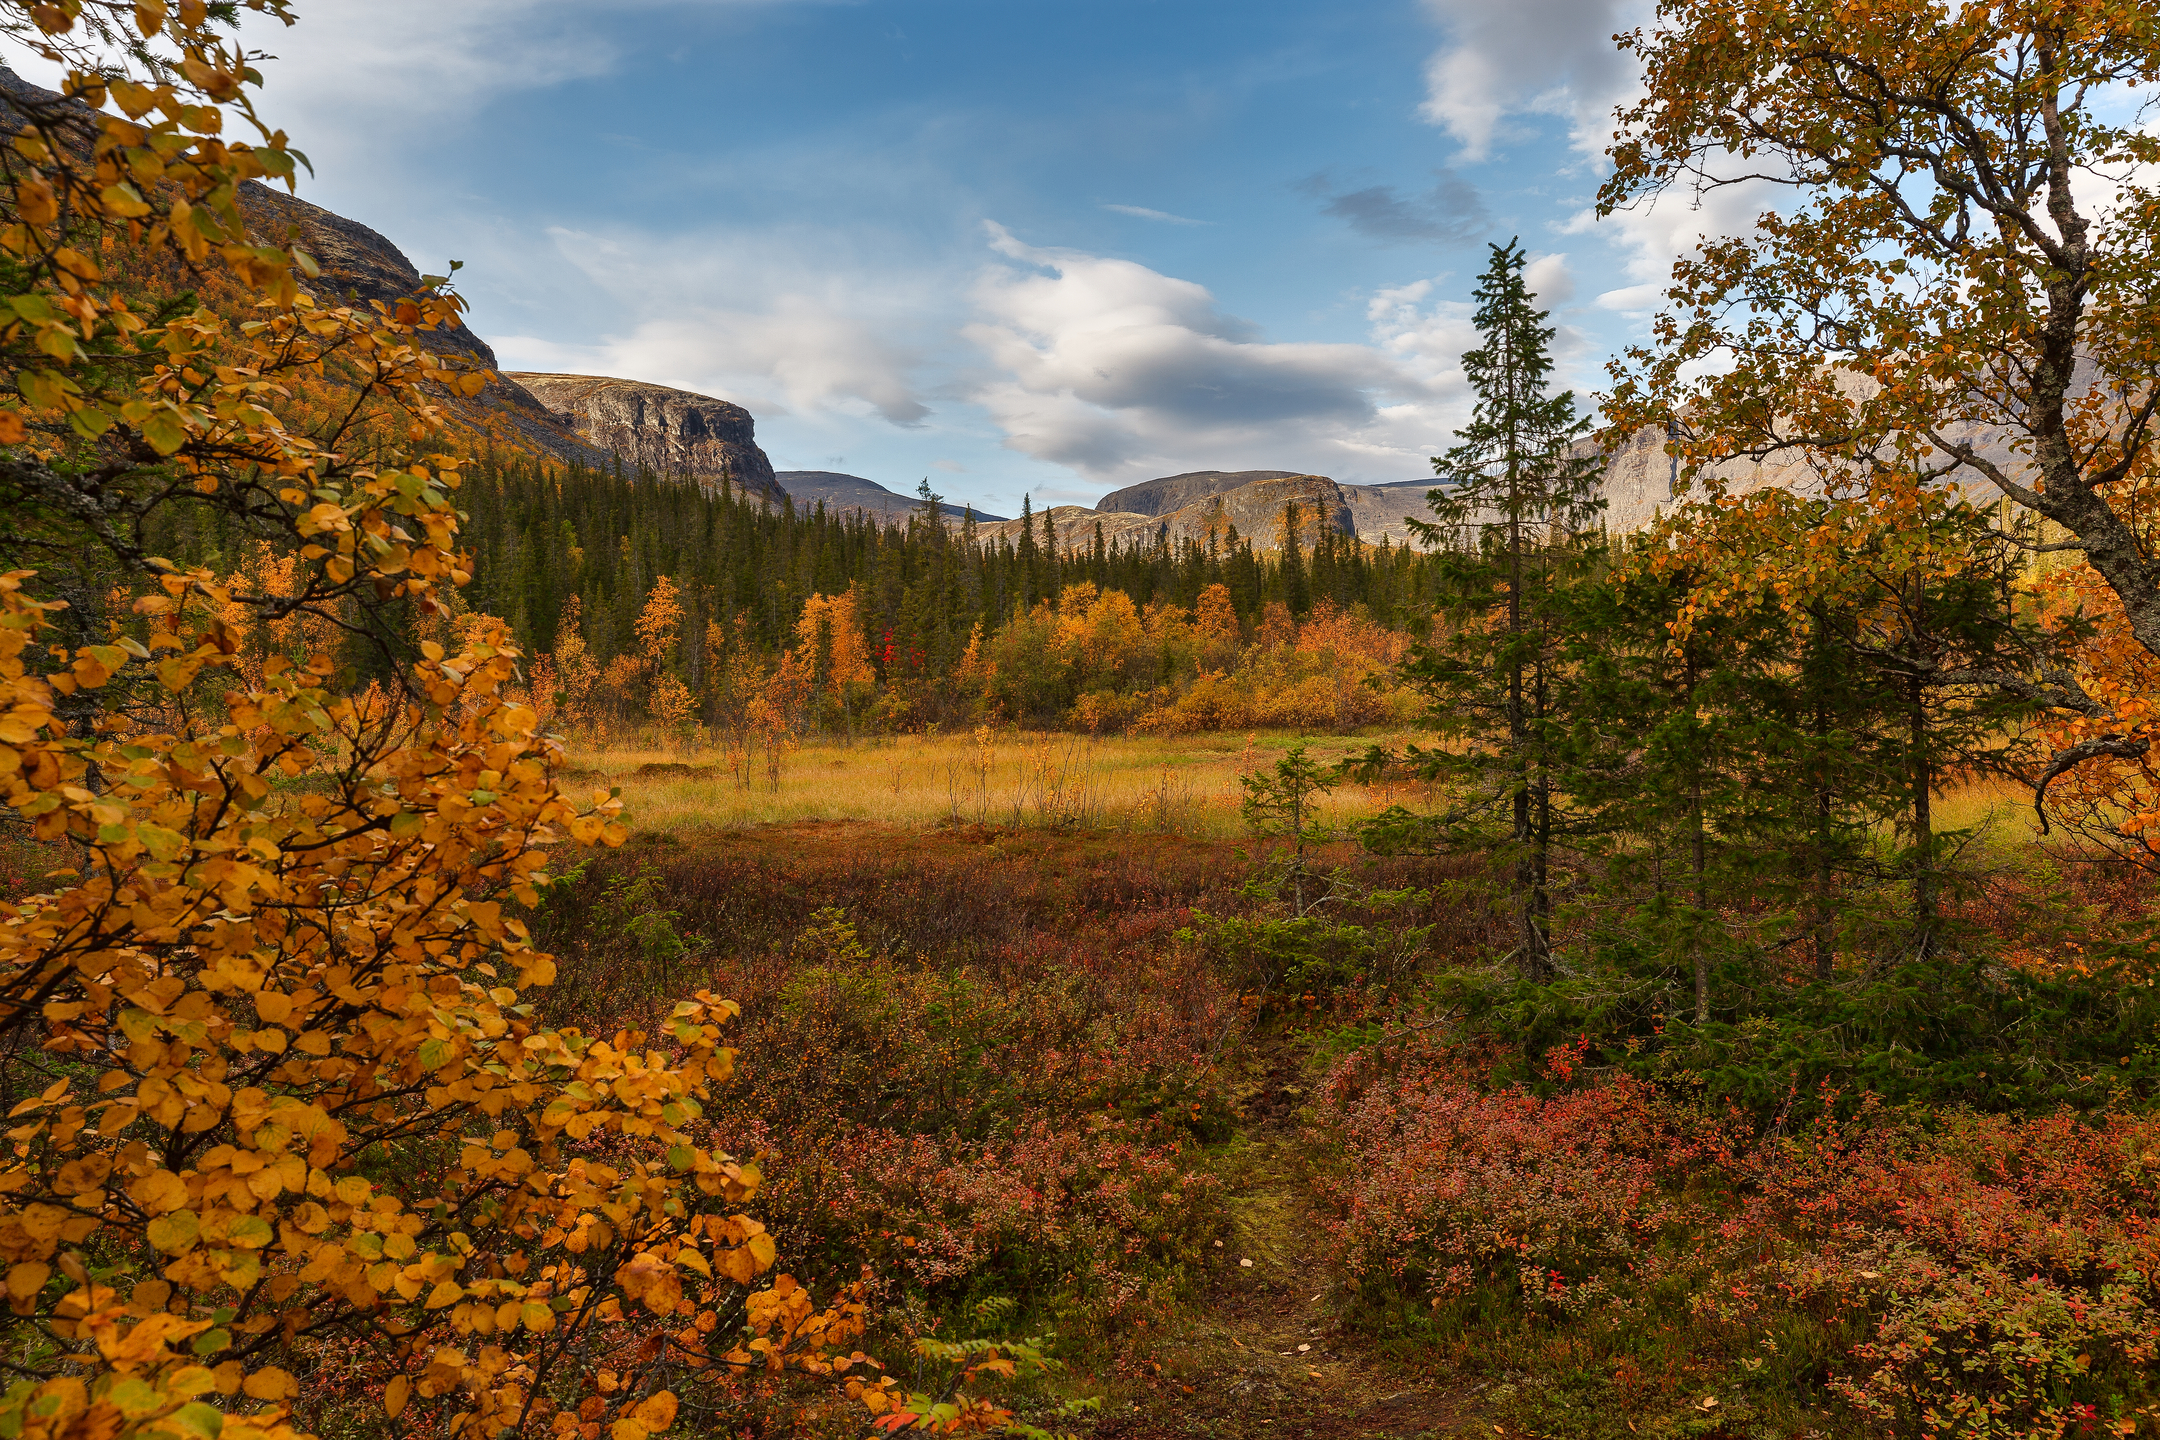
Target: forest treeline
x,y
651,601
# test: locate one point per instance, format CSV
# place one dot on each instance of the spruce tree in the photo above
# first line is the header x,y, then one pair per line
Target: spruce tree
x,y
1297,592
1518,519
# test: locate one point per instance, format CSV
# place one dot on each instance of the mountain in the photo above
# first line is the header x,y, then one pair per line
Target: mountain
x,y
361,264
1253,501
674,433
1175,492
573,419
845,493
1254,508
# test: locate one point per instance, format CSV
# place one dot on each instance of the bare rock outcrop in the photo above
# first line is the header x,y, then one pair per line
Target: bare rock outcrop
x,y
362,264
1175,492
1254,510
674,433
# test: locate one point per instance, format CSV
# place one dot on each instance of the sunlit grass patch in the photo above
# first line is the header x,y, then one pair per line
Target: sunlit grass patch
x,y
1184,785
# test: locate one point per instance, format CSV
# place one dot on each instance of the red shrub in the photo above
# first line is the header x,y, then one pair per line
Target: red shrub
x,y
1992,1276
1065,1210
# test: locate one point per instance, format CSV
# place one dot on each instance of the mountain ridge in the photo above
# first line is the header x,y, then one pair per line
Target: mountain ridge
x,y
848,494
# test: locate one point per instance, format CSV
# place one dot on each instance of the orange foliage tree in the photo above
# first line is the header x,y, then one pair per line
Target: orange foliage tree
x,y
830,635
281,1092
577,672
1948,277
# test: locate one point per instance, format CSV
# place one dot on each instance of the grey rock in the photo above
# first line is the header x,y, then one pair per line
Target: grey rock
x,y
361,264
673,433
1175,492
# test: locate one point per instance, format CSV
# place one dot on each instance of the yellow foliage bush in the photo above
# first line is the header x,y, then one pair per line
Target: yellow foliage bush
x,y
277,1078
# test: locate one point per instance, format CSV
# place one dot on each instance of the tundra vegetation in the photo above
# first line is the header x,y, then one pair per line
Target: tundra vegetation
x,y
1696,983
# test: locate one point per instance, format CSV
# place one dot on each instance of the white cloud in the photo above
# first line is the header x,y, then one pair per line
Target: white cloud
x,y
1542,57
774,322
1121,372
1146,214
1550,280
1632,299
1651,234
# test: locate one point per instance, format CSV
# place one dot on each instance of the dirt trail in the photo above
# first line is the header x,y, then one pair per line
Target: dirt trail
x,y
1258,1355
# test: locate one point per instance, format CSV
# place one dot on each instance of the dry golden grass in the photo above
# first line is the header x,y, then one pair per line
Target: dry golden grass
x,y
1998,812
1184,785
1187,785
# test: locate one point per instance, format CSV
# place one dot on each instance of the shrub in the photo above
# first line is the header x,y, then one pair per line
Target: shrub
x,y
1453,1188
279,1101
1980,1276
1074,1214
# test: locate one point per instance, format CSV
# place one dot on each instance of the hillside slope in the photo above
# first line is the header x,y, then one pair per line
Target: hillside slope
x,y
845,494
1254,510
362,264
1175,492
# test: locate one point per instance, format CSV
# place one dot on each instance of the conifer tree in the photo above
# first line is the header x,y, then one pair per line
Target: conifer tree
x,y
1030,576
1297,593
1494,678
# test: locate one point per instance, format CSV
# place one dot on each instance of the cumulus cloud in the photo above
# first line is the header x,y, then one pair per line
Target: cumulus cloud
x,y
1652,233
1544,57
1452,210
782,325
1550,280
1120,372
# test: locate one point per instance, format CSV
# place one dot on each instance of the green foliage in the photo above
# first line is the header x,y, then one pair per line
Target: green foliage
x,y
1937,1031
1283,805
543,537
1516,527
1316,952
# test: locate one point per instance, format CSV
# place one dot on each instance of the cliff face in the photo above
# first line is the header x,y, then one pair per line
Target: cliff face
x,y
1175,492
577,419
1255,510
669,432
358,261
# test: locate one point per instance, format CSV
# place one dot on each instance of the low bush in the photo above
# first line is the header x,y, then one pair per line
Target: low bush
x,y
1944,1273
1075,1219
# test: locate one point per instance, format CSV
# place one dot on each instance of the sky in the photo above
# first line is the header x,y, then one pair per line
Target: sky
x,y
1008,245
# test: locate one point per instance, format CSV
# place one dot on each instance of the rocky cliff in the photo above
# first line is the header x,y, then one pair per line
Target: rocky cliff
x,y
1254,510
1175,492
669,432
1252,501
360,264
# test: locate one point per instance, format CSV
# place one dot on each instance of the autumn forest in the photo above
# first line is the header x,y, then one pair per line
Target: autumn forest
x,y
501,939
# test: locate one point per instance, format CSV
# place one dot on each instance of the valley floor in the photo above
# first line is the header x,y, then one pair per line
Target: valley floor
x,y
1033,1070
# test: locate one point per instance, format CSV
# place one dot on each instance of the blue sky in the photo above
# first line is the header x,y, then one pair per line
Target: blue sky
x,y
1012,246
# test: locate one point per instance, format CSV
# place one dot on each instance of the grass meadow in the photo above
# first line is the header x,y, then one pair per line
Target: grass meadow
x,y
1015,779
1186,785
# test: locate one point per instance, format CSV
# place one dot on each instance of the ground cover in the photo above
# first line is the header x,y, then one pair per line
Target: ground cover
x,y
1039,1079
1185,785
